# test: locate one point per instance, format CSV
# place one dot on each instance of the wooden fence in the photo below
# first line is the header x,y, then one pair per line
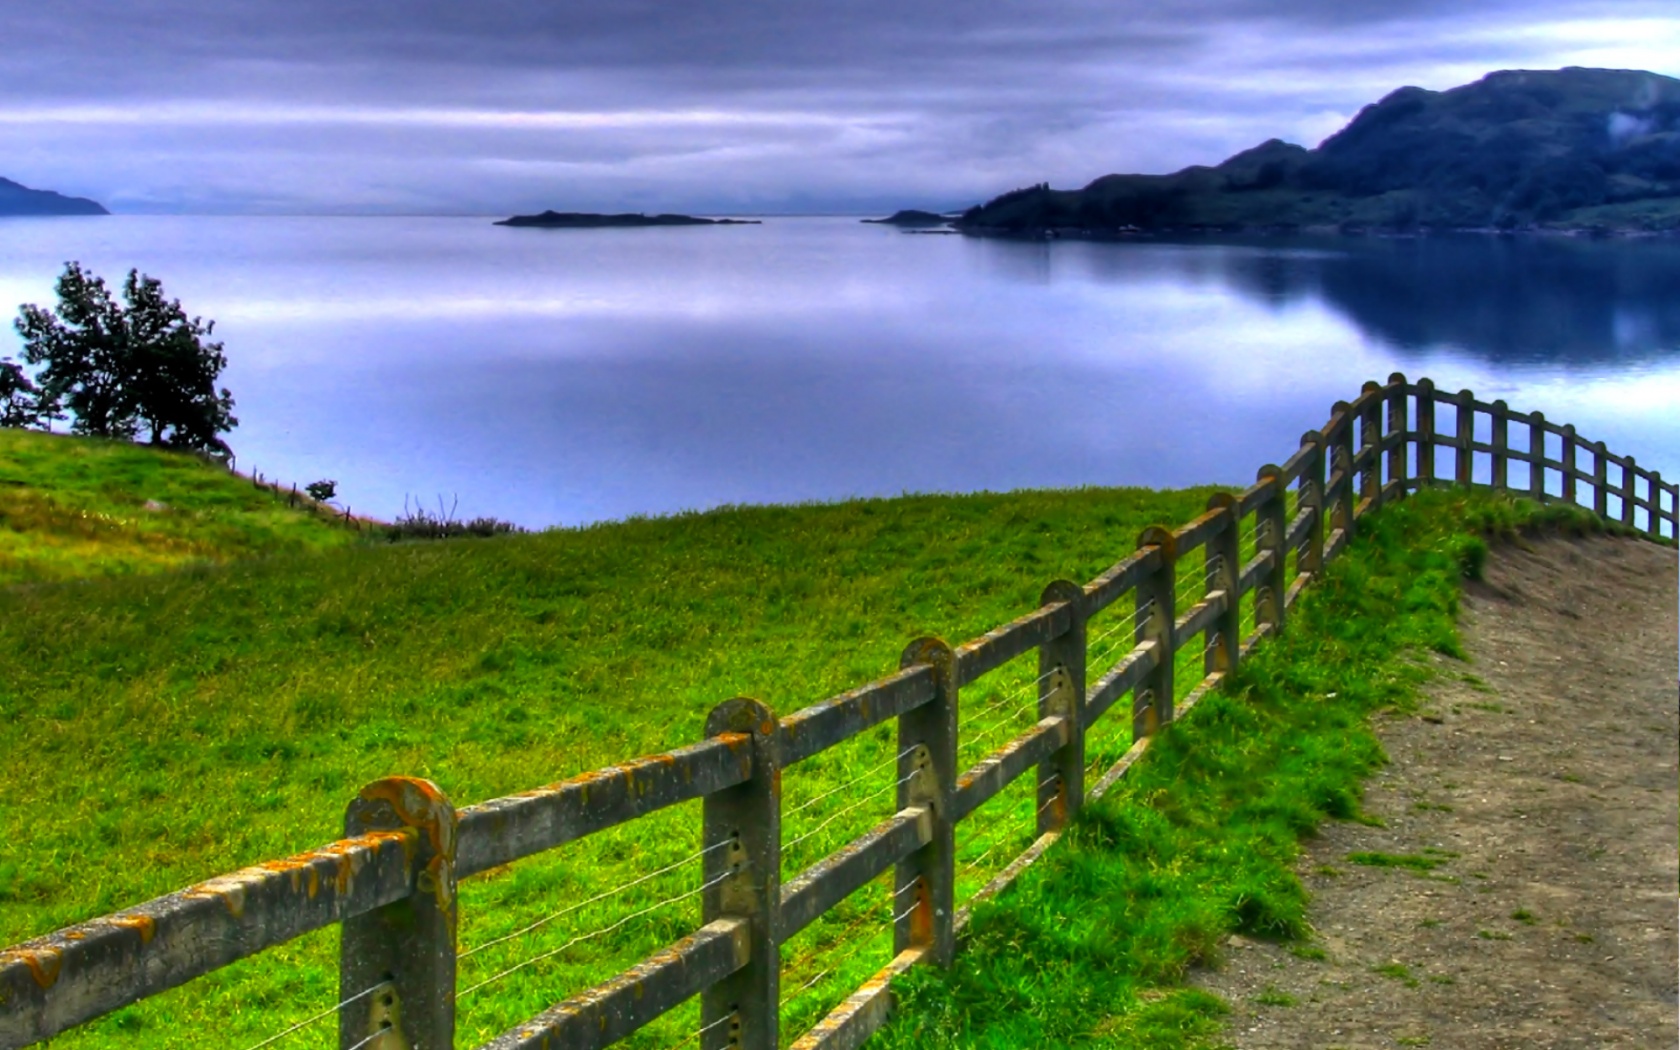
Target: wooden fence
x,y
391,881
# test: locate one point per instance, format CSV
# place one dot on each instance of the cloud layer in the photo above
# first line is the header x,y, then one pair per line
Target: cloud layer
x,y
732,105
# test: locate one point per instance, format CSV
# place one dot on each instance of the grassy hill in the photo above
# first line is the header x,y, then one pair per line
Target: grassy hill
x,y
235,695
163,726
78,507
1562,148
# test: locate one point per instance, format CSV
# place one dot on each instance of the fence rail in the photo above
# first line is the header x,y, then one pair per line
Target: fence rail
x,y
391,881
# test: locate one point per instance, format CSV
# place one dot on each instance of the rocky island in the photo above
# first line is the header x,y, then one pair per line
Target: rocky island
x,y
1567,150
17,199
588,220
912,217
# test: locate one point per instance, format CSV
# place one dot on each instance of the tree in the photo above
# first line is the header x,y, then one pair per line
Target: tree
x,y
121,368
20,398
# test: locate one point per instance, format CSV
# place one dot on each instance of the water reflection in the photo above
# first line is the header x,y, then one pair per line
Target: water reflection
x,y
1507,300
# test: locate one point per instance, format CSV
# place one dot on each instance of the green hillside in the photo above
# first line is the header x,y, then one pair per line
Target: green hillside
x,y
1568,148
232,707
77,507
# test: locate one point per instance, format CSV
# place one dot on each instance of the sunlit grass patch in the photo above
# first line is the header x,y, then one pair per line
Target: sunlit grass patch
x,y
73,507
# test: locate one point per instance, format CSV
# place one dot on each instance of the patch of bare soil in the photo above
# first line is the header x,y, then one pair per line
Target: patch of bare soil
x,y
1519,890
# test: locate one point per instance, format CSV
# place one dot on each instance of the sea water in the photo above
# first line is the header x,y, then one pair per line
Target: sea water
x,y
568,376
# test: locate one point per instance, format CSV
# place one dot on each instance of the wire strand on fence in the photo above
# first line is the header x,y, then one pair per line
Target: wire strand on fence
x,y
982,734
593,900
797,992
837,814
328,1012
384,1029
986,711
1119,624
870,914
605,929
1014,694
808,803
692,1036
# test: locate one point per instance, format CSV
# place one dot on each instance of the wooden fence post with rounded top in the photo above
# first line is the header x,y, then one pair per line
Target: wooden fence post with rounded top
x,y
1271,523
1311,556
927,772
1601,480
1157,612
1341,459
1465,469
1630,479
397,963
1370,441
1061,691
1397,426
744,879
1537,471
1568,455
1426,432
1225,552
1501,439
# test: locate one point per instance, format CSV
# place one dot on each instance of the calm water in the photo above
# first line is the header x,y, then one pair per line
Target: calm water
x,y
569,376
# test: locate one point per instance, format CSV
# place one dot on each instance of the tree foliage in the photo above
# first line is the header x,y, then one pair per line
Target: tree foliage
x,y
119,368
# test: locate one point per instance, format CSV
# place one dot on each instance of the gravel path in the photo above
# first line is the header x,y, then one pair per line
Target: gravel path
x,y
1521,889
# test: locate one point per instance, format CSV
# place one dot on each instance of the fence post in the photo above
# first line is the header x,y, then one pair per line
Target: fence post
x,y
1061,777
1657,506
1629,481
1157,612
1397,425
1537,472
1466,437
1601,481
1655,518
1370,437
1426,432
404,952
1271,521
744,879
1221,653
1568,452
1501,438
1342,448
1311,557
929,735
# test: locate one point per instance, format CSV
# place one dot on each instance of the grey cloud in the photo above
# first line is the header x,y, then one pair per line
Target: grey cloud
x,y
862,100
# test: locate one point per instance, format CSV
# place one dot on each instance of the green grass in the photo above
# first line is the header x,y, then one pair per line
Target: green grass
x,y
1092,945
78,507
229,704
231,710
1427,861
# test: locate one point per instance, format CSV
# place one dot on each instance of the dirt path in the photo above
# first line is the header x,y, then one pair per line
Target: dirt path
x,y
1529,820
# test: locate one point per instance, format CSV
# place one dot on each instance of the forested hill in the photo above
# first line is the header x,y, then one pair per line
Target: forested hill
x,y
16,199
1519,148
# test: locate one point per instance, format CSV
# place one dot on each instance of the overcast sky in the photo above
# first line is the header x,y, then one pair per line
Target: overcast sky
x,y
496,106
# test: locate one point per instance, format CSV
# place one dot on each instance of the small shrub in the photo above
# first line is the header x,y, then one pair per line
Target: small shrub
x,y
421,524
321,491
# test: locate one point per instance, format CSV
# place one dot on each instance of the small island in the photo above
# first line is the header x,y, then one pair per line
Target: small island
x,y
912,217
576,220
17,199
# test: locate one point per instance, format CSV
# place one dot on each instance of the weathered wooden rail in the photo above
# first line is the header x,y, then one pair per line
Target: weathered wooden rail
x,y
391,881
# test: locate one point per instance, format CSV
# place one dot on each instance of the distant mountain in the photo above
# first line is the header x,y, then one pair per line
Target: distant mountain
x,y
1567,148
16,199
589,220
